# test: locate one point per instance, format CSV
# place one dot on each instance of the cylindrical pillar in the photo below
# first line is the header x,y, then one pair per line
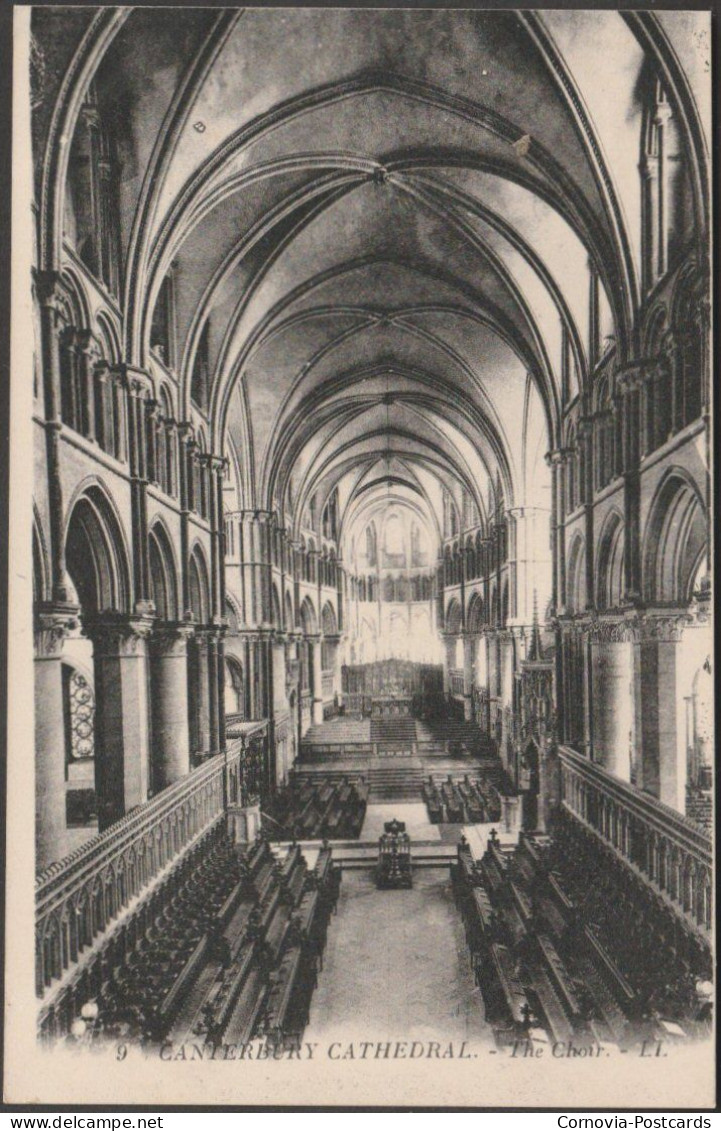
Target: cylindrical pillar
x,y
200,697
612,705
468,647
213,693
449,664
50,817
317,688
169,694
121,714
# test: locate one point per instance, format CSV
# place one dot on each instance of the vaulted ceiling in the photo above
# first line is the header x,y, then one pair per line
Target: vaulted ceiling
x,y
388,218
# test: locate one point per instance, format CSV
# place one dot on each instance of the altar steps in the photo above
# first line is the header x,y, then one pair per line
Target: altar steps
x,y
394,783
389,732
356,854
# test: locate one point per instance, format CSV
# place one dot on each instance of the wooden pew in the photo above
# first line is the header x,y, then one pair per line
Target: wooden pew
x,y
560,977
506,995
243,1021
281,1020
614,979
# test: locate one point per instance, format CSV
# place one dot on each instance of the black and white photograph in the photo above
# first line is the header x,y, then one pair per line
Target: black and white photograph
x,y
361,712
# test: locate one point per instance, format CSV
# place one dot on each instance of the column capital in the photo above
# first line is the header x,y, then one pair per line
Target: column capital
x,y
171,639
47,284
663,625
52,624
210,633
140,383
218,464
616,630
114,634
632,376
558,456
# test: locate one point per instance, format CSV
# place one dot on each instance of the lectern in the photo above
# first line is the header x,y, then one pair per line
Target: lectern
x,y
394,857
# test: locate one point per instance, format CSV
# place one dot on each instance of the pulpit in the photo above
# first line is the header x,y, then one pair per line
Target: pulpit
x,y
394,857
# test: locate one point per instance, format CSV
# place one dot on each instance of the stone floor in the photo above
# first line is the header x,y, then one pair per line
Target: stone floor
x,y
396,966
414,813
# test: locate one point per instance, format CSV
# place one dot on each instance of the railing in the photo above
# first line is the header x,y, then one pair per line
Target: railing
x,y
653,839
247,759
456,681
310,751
237,726
78,897
356,702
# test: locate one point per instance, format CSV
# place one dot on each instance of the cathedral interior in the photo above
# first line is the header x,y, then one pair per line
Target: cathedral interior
x,y
372,524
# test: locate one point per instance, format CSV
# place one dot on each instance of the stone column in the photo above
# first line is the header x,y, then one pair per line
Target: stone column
x,y
200,700
317,679
140,392
121,714
213,692
169,690
468,649
86,361
51,628
450,659
612,704
629,384
662,770
46,287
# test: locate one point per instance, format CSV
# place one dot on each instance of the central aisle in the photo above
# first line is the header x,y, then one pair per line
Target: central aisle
x,y
396,966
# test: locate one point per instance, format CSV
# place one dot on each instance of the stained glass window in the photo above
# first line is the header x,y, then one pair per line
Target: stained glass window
x,y
80,715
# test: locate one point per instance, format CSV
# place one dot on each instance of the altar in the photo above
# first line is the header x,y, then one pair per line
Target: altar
x,y
391,706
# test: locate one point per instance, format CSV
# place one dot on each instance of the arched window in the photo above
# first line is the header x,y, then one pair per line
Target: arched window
x,y
92,213
162,329
79,709
573,474
394,555
605,437
79,726
200,380
665,217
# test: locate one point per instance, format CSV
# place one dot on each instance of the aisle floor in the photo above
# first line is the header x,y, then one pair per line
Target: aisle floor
x,y
396,966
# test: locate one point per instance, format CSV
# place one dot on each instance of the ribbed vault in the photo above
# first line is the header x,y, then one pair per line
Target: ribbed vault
x,y
392,235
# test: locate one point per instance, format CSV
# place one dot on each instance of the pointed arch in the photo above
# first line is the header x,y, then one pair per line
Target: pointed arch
x,y
454,618
329,623
163,572
475,617
198,586
576,599
96,553
234,687
675,540
308,618
609,563
232,613
107,337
